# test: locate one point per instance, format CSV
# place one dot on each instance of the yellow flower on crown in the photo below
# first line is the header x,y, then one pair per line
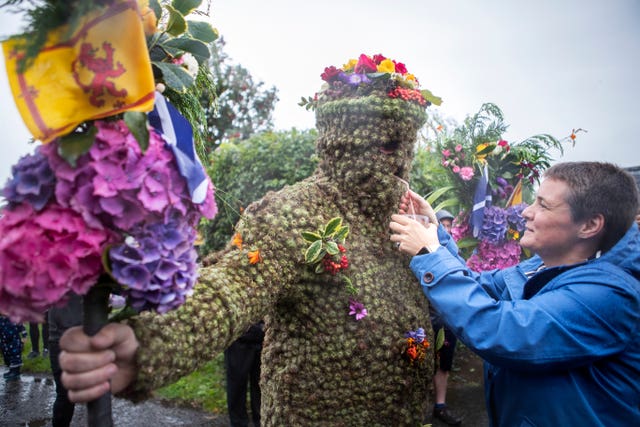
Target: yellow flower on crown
x,y
387,66
350,65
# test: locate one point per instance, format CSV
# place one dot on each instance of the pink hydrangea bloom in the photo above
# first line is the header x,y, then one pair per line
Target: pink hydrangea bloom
x,y
499,256
44,255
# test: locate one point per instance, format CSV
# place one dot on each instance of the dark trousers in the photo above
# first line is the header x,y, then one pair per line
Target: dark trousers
x,y
62,407
242,365
34,335
10,342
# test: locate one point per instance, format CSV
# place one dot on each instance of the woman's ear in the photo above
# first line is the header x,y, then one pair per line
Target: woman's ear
x,y
591,227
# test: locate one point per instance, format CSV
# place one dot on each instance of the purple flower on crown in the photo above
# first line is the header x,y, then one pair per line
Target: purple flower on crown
x,y
354,79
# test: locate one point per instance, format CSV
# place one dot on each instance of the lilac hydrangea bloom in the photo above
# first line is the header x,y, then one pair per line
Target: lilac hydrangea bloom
x,y
157,264
33,181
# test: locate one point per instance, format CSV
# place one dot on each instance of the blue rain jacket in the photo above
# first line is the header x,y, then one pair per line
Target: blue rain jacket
x,y
561,348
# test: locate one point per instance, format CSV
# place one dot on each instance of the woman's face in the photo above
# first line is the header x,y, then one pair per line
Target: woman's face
x,y
550,230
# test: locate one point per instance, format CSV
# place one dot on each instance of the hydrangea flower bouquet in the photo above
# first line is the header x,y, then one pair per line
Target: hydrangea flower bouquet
x,y
110,203
491,178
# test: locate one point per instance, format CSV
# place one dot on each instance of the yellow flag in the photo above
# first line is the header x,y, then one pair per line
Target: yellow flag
x,y
516,196
101,70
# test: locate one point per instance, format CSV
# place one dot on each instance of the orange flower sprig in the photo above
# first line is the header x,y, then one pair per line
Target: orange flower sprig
x,y
417,345
254,256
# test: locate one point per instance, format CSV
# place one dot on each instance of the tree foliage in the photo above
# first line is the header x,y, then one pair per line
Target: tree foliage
x,y
245,170
243,106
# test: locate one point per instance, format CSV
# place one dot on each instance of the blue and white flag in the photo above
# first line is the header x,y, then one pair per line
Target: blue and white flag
x,y
178,133
481,200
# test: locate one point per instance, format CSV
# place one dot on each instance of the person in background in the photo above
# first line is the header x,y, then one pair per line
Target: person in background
x,y
444,355
34,337
558,332
59,320
11,336
242,366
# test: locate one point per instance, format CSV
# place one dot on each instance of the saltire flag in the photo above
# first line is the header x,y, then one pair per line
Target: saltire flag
x,y
481,200
178,134
102,69
516,195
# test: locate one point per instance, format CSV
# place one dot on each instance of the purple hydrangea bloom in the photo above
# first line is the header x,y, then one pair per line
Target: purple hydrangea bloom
x,y
494,225
33,181
514,217
157,264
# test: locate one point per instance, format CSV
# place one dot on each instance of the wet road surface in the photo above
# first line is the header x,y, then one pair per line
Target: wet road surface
x,y
29,402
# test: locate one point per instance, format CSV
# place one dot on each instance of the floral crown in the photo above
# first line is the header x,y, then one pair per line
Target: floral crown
x,y
367,75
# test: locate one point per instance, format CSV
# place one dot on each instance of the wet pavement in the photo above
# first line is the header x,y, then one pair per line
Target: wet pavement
x,y
29,402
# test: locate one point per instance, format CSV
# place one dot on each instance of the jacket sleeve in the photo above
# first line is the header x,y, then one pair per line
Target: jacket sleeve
x,y
580,316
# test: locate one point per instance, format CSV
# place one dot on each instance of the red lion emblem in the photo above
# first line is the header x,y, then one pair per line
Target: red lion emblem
x,y
102,69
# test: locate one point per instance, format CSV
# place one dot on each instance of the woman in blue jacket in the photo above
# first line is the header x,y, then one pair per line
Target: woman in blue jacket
x,y
560,332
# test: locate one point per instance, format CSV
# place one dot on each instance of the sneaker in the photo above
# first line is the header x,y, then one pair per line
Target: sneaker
x,y
446,416
33,355
45,353
12,375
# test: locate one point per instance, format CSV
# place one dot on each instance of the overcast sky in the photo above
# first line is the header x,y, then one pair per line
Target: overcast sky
x,y
550,65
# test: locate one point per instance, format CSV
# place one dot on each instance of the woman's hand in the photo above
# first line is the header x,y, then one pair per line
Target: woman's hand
x,y
91,366
411,236
412,203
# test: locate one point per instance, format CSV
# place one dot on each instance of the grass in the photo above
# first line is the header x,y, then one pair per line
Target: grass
x,y
203,389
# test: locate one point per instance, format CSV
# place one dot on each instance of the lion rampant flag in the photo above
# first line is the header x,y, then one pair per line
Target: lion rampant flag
x,y
101,70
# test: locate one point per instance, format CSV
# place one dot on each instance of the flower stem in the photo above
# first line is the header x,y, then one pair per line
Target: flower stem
x,y
96,312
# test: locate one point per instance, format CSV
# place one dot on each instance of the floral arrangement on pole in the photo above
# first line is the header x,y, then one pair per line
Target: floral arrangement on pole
x,y
490,177
109,204
118,199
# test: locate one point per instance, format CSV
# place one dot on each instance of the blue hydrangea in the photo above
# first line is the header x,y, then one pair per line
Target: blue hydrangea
x,y
494,225
33,182
514,217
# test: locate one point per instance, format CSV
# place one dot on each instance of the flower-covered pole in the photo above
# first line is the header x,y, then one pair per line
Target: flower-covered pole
x,y
95,316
